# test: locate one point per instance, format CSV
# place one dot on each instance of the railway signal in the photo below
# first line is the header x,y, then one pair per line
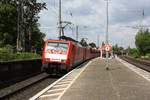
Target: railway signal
x,y
107,48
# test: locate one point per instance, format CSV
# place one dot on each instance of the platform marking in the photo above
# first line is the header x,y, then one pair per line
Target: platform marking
x,y
50,86
137,70
74,74
54,90
61,85
65,82
74,80
113,86
49,95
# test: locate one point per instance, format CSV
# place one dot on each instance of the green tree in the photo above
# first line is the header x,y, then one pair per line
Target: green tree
x,y
9,12
118,50
83,42
134,52
8,29
142,41
103,44
93,45
37,39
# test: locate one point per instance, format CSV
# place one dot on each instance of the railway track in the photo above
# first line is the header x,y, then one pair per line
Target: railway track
x,y
143,64
27,88
14,80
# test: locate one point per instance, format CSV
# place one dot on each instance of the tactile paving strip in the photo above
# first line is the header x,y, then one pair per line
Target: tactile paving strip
x,y
58,88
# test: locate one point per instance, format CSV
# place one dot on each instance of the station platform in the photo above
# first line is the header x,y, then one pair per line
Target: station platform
x,y
92,81
118,83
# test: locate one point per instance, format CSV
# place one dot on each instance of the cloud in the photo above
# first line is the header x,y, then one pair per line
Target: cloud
x,y
90,16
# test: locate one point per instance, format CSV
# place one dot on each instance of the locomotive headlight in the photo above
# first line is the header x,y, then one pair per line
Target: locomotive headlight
x,y
63,60
47,59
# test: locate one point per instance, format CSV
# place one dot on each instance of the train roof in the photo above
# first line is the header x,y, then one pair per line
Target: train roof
x,y
64,38
65,41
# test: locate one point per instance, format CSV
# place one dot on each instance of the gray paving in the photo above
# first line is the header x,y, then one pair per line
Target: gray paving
x,y
119,83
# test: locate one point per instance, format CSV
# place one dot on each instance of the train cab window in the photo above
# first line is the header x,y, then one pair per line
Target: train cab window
x,y
58,45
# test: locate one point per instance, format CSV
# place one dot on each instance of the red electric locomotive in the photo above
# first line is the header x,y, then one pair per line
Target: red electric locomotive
x,y
62,55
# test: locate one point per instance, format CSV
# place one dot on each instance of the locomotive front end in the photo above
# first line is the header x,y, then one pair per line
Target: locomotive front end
x,y
55,56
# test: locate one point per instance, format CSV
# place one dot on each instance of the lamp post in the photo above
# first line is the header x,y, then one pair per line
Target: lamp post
x,y
107,22
78,28
60,23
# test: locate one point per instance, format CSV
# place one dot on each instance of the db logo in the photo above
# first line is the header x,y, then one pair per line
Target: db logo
x,y
107,47
52,51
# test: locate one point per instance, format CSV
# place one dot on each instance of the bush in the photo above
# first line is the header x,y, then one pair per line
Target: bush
x,y
134,53
26,55
147,56
7,54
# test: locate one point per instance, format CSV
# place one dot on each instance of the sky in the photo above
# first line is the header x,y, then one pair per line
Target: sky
x,y
90,16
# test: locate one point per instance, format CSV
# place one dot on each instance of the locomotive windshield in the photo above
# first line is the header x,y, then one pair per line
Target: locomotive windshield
x,y
58,45
57,48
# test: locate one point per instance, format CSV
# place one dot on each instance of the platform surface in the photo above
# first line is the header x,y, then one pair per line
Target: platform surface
x,y
119,83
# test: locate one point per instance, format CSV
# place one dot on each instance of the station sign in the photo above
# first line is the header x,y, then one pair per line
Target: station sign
x,y
107,47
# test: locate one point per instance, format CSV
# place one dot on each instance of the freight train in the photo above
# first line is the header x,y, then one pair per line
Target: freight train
x,y
63,55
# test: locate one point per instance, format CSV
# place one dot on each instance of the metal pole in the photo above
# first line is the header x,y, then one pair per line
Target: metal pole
x,y
97,40
107,23
60,24
107,67
77,33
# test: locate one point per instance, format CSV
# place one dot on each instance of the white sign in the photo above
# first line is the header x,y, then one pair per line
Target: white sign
x,y
107,48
